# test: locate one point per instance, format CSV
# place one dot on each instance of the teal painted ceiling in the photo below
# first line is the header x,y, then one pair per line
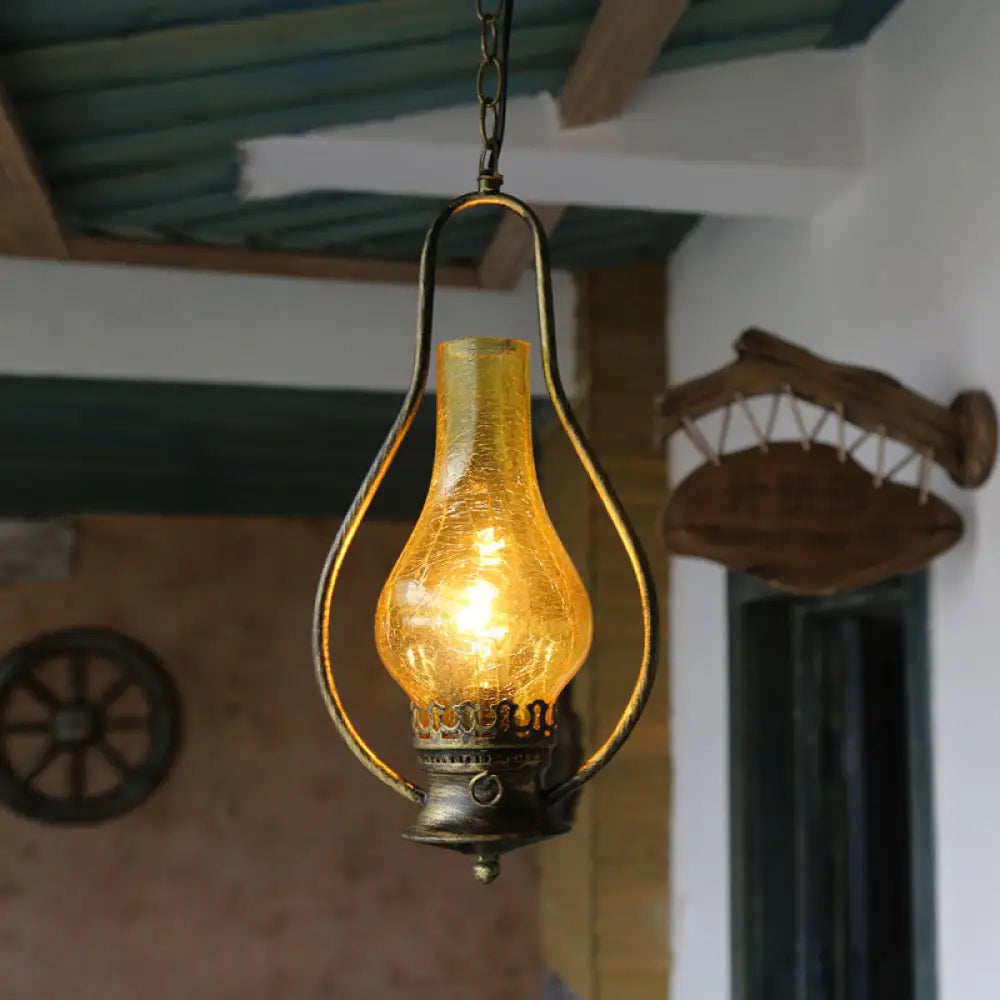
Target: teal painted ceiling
x,y
134,107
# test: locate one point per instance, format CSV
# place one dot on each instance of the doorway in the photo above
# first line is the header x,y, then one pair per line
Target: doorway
x,y
832,860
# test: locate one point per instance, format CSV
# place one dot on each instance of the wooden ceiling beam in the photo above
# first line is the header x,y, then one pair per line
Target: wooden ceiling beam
x,y
235,260
511,251
620,48
617,55
28,223
79,249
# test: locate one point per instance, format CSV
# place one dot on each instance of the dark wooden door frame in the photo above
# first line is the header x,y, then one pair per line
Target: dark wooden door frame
x,y
911,593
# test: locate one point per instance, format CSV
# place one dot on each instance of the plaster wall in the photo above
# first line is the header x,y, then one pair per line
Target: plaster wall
x,y
141,323
270,865
901,273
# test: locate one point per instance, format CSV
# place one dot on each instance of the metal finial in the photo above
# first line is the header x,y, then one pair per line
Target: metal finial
x,y
486,869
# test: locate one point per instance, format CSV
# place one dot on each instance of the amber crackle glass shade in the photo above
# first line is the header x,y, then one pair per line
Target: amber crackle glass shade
x,y
484,603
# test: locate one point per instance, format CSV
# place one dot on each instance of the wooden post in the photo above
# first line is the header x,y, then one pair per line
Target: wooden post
x,y
604,890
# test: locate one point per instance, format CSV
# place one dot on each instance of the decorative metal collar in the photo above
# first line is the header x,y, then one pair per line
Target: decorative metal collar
x,y
472,723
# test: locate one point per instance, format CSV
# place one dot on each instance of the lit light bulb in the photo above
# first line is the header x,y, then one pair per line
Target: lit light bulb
x,y
484,603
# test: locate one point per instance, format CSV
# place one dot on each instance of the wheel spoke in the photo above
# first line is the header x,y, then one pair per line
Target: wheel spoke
x,y
115,690
114,758
13,728
126,723
78,675
41,691
78,773
40,763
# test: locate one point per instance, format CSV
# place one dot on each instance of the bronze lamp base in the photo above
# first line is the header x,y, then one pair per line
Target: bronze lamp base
x,y
484,782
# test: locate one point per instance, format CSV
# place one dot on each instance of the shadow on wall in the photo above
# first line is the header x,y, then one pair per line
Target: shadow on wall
x,y
555,989
270,863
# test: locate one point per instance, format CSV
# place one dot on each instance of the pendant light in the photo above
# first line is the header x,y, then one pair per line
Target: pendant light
x,y
484,619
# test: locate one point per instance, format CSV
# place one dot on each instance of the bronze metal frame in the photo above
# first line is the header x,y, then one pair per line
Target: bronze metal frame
x,y
459,819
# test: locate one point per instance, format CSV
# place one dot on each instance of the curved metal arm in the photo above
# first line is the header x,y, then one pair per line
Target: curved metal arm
x,y
352,521
623,526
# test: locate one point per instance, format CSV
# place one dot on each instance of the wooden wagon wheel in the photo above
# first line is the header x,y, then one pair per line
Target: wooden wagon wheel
x,y
81,720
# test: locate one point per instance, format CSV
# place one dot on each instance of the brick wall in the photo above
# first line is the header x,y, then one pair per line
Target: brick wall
x,y
270,865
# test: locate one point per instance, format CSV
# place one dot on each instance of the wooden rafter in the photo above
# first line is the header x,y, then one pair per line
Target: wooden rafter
x,y
234,260
621,46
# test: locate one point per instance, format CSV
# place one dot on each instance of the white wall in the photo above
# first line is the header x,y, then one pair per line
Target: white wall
x,y
902,273
116,322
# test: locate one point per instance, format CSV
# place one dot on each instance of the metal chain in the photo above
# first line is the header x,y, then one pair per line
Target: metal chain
x,y
491,88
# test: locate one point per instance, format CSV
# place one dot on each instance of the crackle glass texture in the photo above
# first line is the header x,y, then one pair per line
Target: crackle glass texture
x,y
484,602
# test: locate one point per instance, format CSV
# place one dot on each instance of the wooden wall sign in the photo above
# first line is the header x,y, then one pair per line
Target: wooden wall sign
x,y
804,515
